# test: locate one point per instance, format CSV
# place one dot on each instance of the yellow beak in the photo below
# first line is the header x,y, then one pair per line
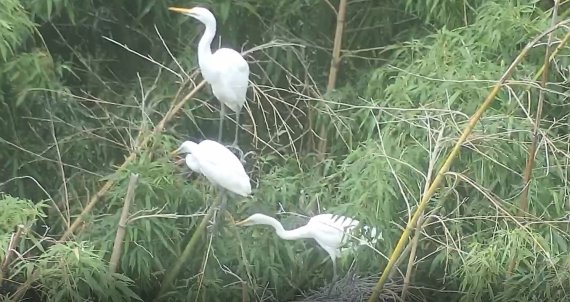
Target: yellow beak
x,y
175,152
180,10
241,222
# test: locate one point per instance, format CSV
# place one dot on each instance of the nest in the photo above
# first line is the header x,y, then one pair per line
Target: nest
x,y
352,288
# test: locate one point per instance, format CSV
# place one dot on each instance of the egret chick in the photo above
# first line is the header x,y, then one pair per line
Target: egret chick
x,y
330,231
225,70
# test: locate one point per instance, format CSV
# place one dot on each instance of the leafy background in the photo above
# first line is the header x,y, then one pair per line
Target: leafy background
x,y
82,83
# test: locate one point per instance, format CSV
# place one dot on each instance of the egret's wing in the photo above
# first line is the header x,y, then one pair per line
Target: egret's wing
x,y
331,229
222,167
341,230
232,78
214,153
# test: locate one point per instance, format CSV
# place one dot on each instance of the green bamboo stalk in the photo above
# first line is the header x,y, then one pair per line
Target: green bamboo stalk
x,y
333,71
173,273
450,158
122,227
527,173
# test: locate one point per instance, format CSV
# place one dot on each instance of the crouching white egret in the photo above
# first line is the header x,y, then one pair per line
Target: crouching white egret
x,y
330,231
225,70
219,165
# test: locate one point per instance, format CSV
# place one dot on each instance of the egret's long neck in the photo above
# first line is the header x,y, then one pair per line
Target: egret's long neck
x,y
204,49
297,233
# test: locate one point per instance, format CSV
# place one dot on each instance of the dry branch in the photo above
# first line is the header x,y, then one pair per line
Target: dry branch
x,y
11,247
121,229
335,62
527,174
450,158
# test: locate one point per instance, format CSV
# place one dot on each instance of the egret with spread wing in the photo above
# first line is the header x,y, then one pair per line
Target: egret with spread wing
x,y
225,70
330,231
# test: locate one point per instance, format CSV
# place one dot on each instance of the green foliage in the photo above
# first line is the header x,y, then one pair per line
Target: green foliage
x,y
15,28
75,272
15,211
72,271
74,105
445,12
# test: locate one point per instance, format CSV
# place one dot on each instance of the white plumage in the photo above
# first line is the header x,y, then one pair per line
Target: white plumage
x,y
218,164
225,70
331,232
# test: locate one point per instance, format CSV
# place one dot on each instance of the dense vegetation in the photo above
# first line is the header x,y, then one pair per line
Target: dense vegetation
x,y
86,93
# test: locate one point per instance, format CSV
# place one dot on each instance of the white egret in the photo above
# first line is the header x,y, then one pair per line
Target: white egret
x,y
225,70
218,164
331,232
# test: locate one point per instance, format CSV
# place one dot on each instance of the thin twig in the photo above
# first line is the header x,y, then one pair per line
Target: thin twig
x,y
450,158
419,226
147,57
67,219
122,228
202,272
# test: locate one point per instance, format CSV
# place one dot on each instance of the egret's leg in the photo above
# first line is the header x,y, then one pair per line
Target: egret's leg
x,y
222,115
335,277
240,154
224,200
237,129
234,145
221,207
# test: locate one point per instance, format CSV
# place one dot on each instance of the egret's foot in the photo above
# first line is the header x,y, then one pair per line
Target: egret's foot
x,y
239,154
329,292
332,285
214,223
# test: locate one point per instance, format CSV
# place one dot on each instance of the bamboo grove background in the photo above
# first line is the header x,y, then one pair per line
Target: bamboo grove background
x,y
92,92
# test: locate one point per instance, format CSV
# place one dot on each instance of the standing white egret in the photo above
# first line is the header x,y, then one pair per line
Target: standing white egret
x,y
218,164
225,70
330,231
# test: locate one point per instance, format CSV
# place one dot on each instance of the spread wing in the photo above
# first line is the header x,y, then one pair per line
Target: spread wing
x,y
333,230
337,231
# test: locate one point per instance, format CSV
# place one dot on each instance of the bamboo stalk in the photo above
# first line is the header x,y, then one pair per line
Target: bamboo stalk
x,y
450,158
158,129
419,225
173,273
122,228
11,247
333,71
527,173
244,293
